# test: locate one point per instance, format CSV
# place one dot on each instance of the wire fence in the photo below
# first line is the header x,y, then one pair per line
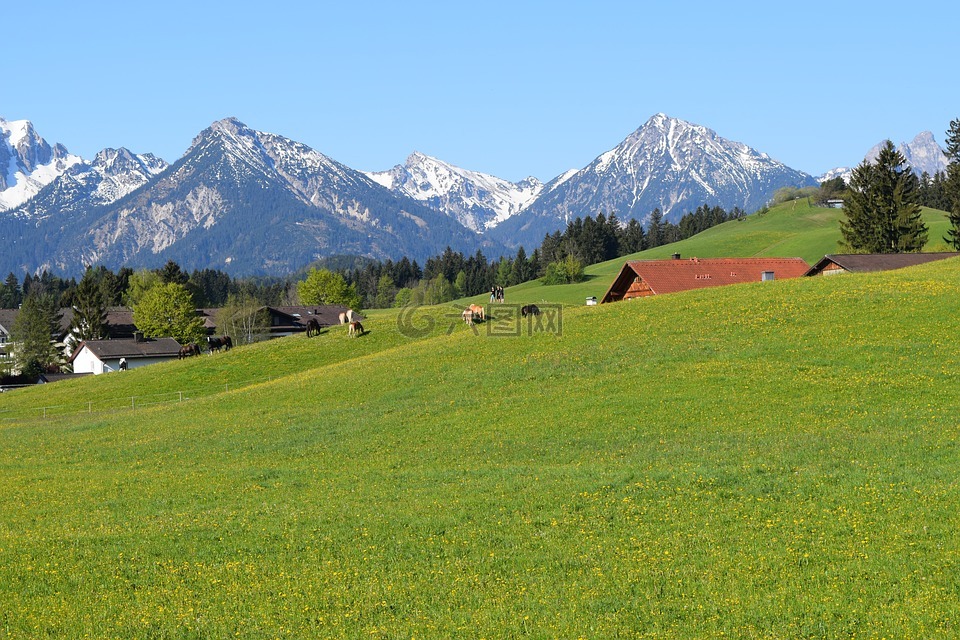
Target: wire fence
x,y
116,404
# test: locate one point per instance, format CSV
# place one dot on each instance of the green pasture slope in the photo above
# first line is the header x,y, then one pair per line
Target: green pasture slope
x,y
793,229
771,460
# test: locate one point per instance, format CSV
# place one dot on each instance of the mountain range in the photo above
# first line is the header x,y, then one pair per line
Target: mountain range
x,y
666,164
923,154
250,202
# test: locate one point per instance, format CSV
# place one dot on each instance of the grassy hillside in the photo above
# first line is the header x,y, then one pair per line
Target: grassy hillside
x,y
793,229
767,460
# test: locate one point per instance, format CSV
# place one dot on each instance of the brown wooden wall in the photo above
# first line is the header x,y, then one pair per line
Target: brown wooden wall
x,y
638,289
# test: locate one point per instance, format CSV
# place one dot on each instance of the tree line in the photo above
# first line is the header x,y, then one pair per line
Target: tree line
x,y
560,258
882,206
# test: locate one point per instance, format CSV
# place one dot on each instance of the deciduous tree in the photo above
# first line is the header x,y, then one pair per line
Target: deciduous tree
x,y
323,286
167,310
244,319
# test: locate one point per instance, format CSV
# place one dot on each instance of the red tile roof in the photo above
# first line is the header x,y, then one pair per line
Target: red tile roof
x,y
671,276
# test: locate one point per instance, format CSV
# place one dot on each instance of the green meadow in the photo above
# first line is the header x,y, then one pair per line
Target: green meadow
x,y
769,460
792,229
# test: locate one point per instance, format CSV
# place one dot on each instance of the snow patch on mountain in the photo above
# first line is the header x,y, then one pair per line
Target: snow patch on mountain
x,y
28,162
111,175
668,164
478,201
838,172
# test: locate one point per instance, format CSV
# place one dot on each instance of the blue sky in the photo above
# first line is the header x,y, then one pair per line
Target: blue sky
x,y
507,88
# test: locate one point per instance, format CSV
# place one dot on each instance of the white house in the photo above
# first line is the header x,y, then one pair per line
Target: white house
x,y
103,356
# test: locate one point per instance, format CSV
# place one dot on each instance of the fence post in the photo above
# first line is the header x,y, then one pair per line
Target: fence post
x,y
133,402
90,407
181,396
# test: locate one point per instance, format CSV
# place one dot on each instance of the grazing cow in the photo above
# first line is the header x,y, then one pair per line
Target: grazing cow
x,y
343,318
467,315
529,310
313,327
356,329
187,350
478,312
216,344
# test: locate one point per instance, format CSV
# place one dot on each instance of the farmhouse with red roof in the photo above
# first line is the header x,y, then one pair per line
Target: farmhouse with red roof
x,y
641,278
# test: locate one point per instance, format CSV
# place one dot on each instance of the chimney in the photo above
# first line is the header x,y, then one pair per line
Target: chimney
x,y
675,256
766,276
138,336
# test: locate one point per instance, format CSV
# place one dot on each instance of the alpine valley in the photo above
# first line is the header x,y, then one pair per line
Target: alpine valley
x,y
255,203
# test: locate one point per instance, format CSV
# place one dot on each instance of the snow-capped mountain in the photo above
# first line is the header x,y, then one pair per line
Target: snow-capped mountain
x,y
838,172
27,162
111,175
246,202
923,154
476,200
668,164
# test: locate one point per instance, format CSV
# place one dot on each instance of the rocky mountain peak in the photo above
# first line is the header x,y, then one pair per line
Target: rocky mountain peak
x,y
28,162
113,162
668,164
478,201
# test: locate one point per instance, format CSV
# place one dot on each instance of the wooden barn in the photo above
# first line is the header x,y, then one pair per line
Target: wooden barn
x,y
641,278
833,264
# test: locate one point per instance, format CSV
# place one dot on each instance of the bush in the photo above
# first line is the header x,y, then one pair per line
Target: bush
x,y
564,271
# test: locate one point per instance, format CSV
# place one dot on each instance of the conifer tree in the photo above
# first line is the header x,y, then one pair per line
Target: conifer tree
x,y
655,229
951,185
10,297
89,309
632,238
882,212
33,332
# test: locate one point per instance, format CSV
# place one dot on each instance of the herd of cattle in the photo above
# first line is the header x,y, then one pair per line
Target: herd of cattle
x,y
348,317
222,343
474,312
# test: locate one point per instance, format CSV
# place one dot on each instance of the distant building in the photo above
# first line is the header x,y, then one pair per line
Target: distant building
x,y
104,356
8,318
833,264
288,320
641,278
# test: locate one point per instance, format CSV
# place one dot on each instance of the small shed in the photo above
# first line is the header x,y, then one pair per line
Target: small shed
x,y
836,263
642,278
103,356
